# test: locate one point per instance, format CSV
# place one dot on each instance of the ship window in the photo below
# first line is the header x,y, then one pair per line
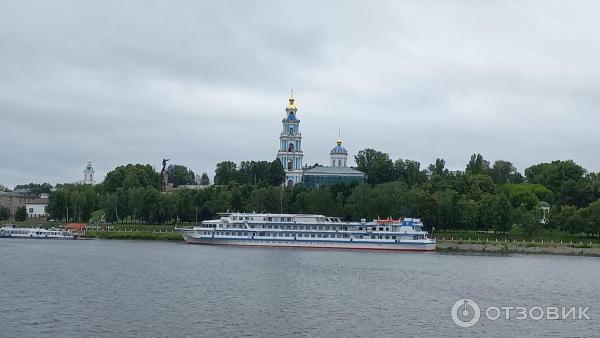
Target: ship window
x,y
393,237
295,227
372,237
312,235
387,237
320,227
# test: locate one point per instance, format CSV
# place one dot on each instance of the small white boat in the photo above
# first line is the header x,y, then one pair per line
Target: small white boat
x,y
34,233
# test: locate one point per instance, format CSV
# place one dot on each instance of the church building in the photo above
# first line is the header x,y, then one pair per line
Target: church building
x,y
290,145
290,154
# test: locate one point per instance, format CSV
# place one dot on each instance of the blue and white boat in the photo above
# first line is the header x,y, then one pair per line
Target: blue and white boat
x,y
311,231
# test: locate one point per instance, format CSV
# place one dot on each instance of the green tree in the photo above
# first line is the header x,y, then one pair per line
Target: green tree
x,y
475,186
466,213
591,215
225,173
276,174
528,221
180,175
439,168
445,216
4,213
131,176
20,214
377,165
204,180
57,204
564,178
576,224
477,165
504,172
35,188
413,173
502,213
526,194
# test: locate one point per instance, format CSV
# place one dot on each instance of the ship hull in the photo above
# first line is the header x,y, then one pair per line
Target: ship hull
x,y
351,245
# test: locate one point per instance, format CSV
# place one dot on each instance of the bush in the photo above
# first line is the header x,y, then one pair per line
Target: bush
x,y
21,214
4,213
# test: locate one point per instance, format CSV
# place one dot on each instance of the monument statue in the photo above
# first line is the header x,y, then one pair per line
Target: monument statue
x,y
164,175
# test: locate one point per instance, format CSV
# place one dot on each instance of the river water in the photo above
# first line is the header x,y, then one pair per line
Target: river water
x,y
111,288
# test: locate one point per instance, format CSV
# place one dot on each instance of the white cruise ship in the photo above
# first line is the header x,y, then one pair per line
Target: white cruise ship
x,y
34,233
311,231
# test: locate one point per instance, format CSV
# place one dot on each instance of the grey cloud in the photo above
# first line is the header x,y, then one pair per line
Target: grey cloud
x,y
200,82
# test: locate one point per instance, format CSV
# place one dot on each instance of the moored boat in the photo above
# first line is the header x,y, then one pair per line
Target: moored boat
x,y
311,231
34,233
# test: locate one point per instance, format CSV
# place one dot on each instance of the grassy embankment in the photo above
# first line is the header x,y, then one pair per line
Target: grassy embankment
x,y
143,235
544,242
541,238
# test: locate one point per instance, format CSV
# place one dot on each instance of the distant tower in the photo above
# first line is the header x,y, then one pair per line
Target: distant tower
x,y
290,141
88,174
339,154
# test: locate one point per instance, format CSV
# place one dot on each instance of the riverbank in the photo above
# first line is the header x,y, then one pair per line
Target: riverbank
x,y
519,247
581,249
141,235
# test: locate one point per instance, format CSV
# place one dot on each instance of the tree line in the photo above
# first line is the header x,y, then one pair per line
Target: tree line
x,y
483,196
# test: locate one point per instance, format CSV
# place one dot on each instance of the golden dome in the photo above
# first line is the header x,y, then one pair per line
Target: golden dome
x,y
291,105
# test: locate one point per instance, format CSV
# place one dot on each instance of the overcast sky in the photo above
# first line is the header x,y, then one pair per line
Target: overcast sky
x,y
119,82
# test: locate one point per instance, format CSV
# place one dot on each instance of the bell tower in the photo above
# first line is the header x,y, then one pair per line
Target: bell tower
x,y
88,174
290,144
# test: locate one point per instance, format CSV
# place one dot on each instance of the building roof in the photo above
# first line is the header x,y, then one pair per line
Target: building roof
x,y
334,171
338,149
75,226
38,201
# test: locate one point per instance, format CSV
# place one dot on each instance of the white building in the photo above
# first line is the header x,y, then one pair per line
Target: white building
x,y
37,208
290,145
